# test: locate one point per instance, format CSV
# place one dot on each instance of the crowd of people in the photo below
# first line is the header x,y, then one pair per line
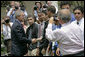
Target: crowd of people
x,y
46,32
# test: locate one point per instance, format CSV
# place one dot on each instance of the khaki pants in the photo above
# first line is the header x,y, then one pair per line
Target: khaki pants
x,y
32,53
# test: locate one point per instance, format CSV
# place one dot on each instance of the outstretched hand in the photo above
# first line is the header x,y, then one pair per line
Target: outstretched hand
x,y
34,40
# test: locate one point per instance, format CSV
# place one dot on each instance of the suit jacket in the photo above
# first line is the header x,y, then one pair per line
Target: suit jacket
x,y
19,40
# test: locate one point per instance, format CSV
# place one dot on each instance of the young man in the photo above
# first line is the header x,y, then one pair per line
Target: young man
x,y
32,33
79,15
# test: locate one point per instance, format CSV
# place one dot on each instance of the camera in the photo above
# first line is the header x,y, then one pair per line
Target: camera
x,y
55,17
35,7
16,7
45,6
22,7
7,20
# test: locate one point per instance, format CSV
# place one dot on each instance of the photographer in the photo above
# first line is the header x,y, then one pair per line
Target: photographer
x,y
16,7
23,8
6,31
12,11
50,12
55,48
69,36
11,5
37,8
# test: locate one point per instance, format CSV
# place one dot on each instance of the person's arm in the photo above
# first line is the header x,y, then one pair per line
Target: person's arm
x,y
4,32
25,12
53,35
58,51
10,12
19,34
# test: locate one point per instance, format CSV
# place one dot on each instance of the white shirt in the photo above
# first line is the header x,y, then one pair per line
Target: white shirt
x,y
6,32
69,38
81,25
9,13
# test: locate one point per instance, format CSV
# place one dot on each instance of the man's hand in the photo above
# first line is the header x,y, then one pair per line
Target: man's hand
x,y
43,51
34,40
58,51
48,48
51,20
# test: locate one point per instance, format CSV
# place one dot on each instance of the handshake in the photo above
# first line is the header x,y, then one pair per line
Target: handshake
x,y
35,40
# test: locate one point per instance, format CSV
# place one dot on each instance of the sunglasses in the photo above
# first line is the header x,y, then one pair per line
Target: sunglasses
x,y
77,13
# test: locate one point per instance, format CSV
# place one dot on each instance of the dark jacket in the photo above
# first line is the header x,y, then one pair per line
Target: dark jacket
x,y
34,34
44,43
19,40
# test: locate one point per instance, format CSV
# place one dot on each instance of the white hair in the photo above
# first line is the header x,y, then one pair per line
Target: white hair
x,y
17,13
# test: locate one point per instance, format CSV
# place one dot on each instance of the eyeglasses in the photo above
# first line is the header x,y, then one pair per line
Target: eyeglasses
x,y
77,13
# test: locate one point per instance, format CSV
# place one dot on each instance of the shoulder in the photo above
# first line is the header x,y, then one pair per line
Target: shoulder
x,y
36,25
74,22
82,20
16,24
28,29
11,24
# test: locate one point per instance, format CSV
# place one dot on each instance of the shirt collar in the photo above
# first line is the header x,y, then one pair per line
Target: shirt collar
x,y
80,20
65,24
18,21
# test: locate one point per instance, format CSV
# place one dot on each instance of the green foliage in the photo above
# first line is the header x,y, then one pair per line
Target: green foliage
x,y
4,3
3,48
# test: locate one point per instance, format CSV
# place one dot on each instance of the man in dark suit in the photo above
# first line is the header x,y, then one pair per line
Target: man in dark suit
x,y
19,40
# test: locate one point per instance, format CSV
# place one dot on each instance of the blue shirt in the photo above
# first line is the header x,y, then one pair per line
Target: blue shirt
x,y
56,26
56,44
72,17
12,17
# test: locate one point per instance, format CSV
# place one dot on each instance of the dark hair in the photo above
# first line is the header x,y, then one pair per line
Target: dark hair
x,y
64,3
79,8
30,15
52,9
39,2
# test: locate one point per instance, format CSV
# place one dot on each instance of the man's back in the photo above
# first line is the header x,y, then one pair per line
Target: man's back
x,y
70,41
69,38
